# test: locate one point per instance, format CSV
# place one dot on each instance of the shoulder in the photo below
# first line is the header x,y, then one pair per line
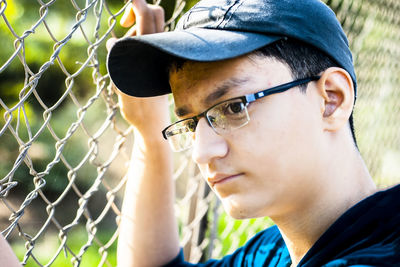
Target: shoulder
x,y
368,234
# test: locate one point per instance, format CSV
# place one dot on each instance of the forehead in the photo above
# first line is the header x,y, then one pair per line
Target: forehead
x,y
198,85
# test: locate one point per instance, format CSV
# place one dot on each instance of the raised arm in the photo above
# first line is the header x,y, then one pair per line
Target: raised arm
x,y
148,230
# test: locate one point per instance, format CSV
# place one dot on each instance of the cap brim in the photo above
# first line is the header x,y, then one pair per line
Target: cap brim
x,y
138,65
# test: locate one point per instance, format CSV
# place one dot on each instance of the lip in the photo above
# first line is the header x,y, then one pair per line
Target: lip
x,y
221,178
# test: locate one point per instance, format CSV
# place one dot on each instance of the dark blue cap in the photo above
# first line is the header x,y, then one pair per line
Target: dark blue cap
x,y
221,29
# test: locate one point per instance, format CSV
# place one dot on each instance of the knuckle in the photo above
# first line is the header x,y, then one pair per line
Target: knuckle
x,y
156,9
159,10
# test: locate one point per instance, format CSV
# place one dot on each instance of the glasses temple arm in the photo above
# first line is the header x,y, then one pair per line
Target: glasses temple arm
x,y
279,89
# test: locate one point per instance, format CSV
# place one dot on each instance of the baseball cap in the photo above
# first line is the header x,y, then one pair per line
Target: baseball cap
x,y
215,30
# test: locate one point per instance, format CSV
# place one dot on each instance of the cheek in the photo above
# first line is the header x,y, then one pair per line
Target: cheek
x,y
280,141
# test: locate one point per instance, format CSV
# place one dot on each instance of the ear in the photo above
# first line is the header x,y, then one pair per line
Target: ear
x,y
337,91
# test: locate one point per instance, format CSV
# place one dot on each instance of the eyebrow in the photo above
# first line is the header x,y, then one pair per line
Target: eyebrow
x,y
219,92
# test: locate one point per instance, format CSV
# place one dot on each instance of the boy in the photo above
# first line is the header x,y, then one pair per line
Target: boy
x,y
264,91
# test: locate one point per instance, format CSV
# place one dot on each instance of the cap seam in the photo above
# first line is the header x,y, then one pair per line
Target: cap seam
x,y
223,23
226,13
189,13
184,26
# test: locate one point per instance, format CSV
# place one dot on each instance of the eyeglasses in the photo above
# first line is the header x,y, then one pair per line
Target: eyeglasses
x,y
222,117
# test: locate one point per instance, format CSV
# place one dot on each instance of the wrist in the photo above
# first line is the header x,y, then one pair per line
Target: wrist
x,y
150,140
152,151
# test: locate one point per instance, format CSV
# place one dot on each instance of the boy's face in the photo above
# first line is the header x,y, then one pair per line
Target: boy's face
x,y
268,167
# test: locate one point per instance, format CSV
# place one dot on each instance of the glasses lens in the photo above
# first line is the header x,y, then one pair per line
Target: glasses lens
x,y
228,115
180,135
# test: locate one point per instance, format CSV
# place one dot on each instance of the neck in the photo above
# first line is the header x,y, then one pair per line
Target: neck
x,y
341,189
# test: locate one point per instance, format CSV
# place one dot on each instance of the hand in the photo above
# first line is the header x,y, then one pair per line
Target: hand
x,y
148,115
149,18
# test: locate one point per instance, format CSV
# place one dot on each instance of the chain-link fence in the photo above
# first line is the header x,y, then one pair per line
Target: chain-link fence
x,y
64,148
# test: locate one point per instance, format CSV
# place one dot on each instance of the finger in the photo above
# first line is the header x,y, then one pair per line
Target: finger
x,y
145,23
150,21
139,6
128,18
159,18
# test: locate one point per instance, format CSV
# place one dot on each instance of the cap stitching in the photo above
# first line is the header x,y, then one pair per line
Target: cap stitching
x,y
188,14
226,13
237,4
184,26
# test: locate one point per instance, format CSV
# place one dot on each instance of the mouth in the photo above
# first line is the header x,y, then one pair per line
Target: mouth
x,y
222,178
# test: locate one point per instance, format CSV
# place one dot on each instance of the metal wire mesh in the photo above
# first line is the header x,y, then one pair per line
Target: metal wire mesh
x,y
64,147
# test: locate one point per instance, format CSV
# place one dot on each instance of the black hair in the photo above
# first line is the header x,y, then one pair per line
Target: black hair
x,y
303,61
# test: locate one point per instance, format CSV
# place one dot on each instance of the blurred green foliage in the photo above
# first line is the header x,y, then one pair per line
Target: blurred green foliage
x,y
76,240
37,49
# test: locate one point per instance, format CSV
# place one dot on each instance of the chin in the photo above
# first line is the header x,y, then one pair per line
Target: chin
x,y
238,211
239,206
237,215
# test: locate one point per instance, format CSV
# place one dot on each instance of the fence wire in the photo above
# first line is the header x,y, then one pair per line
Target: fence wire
x,y
64,147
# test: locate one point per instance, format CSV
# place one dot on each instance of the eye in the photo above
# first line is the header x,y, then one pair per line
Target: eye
x,y
234,108
191,125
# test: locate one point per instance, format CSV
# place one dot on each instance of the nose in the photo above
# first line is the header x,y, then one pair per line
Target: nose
x,y
208,145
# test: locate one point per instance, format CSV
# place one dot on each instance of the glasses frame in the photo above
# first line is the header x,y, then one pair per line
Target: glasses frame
x,y
246,99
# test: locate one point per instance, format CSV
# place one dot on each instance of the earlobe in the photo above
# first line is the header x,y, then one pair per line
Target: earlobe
x,y
337,91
